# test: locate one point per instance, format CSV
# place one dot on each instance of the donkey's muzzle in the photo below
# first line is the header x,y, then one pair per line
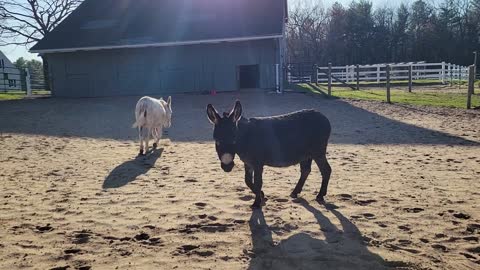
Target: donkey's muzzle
x,y
227,167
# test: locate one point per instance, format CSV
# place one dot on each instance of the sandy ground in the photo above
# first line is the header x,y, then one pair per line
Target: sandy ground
x,y
404,192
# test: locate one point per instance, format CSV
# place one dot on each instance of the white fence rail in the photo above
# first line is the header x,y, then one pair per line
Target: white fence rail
x,y
299,79
443,72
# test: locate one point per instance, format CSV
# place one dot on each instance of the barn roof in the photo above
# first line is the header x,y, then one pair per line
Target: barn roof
x,y
6,62
108,24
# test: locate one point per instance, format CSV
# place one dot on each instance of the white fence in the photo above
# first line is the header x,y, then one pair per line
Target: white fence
x,y
443,72
299,79
10,79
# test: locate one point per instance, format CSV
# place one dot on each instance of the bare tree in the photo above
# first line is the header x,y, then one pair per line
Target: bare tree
x,y
24,22
307,30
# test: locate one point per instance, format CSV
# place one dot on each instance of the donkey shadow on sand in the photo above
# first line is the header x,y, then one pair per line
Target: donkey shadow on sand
x,y
128,171
343,248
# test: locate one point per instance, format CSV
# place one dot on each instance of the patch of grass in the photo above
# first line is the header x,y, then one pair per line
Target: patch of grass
x,y
12,95
440,99
9,96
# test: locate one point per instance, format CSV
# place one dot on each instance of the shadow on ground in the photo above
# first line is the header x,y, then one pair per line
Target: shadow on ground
x,y
342,248
112,118
128,171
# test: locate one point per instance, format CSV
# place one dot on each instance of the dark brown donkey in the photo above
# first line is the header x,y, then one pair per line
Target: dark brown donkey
x,y
277,141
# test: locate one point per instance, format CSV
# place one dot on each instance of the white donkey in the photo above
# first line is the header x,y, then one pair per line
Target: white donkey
x,y
152,115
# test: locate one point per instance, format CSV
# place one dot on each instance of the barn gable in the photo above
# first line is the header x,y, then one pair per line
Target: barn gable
x,y
4,61
10,77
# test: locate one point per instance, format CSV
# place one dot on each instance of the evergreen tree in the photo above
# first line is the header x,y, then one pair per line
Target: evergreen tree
x,y
400,35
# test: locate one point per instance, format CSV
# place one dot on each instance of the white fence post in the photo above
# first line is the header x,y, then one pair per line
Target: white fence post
x,y
459,76
277,77
357,76
352,70
443,72
378,74
447,74
387,72
352,73
457,73
28,83
347,75
410,83
450,73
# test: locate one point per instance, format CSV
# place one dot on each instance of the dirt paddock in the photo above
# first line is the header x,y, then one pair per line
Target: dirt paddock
x,y
404,193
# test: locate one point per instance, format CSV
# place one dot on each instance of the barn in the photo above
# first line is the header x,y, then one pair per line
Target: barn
x,y
10,77
140,47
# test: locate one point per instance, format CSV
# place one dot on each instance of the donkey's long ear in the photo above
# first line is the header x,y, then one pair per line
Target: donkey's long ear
x,y
236,113
212,114
169,102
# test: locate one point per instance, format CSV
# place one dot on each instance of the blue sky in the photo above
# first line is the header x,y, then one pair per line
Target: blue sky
x,y
14,52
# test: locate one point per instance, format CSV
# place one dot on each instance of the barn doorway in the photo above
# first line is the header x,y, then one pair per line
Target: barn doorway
x,y
249,76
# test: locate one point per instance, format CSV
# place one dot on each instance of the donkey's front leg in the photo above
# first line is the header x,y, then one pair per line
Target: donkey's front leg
x,y
257,187
249,177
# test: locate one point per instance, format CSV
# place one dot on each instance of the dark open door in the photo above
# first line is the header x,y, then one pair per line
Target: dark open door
x,y
249,76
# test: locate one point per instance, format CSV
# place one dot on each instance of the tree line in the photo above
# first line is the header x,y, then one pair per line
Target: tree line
x,y
352,34
35,69
360,34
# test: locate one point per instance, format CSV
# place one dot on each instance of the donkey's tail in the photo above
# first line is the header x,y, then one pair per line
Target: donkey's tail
x,y
141,116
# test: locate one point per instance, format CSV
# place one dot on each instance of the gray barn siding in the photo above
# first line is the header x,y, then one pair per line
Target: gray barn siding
x,y
160,70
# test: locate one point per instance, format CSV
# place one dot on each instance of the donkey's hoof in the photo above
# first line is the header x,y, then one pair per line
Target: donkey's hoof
x,y
293,195
320,199
141,153
155,145
256,205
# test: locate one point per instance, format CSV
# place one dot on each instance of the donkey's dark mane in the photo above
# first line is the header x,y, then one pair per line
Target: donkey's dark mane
x,y
245,120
